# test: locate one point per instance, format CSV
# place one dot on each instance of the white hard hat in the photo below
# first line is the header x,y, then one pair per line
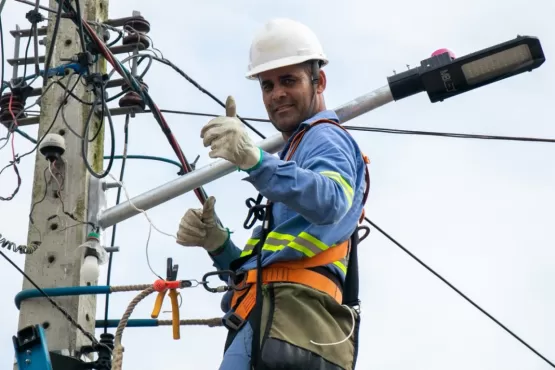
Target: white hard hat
x,y
283,42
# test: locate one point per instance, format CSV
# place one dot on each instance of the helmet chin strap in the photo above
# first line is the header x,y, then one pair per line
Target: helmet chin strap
x,y
315,79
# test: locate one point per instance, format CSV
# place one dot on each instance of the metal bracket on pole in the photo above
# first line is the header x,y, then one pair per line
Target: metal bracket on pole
x,y
220,168
97,200
30,349
17,43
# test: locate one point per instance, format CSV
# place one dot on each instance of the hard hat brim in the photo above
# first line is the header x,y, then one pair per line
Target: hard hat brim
x,y
283,62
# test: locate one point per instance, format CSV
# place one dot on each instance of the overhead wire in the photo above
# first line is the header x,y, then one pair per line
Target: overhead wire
x,y
449,134
2,53
114,228
202,89
458,291
62,310
50,53
84,143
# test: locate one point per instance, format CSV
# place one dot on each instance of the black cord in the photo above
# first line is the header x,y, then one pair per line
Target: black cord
x,y
52,41
12,124
2,53
207,115
51,124
447,134
26,56
386,130
458,291
90,336
31,219
114,228
70,93
102,114
196,84
84,144
80,24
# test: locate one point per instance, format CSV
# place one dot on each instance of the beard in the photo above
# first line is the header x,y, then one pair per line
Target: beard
x,y
287,120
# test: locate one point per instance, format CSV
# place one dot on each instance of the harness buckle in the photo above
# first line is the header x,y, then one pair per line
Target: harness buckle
x,y
233,321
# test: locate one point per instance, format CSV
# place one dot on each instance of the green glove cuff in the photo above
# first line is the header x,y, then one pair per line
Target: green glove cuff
x,y
248,170
220,249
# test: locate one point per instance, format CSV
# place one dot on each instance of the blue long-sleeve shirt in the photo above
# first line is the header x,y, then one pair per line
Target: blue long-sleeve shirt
x,y
317,198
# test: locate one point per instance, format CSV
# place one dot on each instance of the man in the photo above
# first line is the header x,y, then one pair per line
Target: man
x,y
316,191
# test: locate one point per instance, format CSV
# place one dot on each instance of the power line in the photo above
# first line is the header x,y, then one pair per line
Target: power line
x,y
392,131
458,291
447,134
53,303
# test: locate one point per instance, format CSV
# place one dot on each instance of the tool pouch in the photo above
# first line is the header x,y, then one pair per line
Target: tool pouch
x,y
292,316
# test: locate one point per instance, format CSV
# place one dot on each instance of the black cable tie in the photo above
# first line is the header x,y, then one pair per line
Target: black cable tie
x,y
256,212
17,159
85,59
92,48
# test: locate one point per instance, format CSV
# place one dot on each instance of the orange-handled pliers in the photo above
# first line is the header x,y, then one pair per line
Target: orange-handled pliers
x,y
172,285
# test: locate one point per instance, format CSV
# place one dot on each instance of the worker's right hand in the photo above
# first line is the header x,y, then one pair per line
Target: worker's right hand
x,y
198,228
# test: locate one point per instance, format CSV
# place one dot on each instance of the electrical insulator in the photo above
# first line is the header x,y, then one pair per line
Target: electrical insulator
x,y
18,105
137,27
133,99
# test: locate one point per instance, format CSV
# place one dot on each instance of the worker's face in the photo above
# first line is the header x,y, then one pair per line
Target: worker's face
x,y
288,96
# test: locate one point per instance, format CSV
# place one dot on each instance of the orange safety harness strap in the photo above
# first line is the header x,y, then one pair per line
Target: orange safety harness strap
x,y
297,140
244,300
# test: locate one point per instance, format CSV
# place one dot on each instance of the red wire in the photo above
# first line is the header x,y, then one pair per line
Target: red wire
x,y
173,142
16,170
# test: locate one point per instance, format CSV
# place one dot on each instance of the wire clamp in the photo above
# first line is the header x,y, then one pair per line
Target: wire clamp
x,y
34,16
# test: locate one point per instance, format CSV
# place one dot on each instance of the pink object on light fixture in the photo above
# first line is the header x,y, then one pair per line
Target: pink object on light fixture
x,y
444,50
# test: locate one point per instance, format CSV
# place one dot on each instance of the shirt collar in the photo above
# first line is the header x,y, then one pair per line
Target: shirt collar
x,y
325,114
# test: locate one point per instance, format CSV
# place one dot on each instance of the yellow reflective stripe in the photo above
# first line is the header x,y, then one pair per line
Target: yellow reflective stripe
x,y
347,189
245,253
304,243
342,264
313,240
249,247
280,236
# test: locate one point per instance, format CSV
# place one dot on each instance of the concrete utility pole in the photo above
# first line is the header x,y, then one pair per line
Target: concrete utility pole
x,y
56,263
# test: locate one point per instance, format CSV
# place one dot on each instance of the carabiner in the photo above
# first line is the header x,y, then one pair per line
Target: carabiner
x,y
220,289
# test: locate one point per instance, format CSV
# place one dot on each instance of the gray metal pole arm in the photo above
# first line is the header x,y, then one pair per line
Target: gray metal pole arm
x,y
220,167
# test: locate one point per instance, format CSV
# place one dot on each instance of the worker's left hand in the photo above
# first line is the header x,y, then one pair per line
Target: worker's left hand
x,y
229,140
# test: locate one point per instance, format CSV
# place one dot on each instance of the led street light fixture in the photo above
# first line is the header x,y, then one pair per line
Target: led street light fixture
x,y
443,76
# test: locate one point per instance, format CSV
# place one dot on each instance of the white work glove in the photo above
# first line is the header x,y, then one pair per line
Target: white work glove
x,y
229,140
198,228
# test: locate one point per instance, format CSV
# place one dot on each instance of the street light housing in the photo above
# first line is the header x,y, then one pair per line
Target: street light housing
x,y
443,76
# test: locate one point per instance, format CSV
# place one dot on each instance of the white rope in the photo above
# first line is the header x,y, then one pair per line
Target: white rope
x,y
344,340
140,210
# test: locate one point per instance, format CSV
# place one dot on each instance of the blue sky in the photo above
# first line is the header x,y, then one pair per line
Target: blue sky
x,y
479,212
